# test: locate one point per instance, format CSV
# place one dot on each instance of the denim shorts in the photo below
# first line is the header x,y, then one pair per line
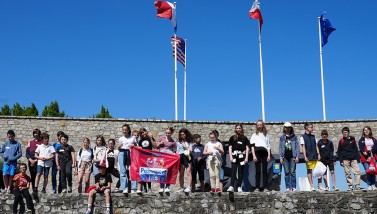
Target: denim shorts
x,y
221,176
10,169
43,170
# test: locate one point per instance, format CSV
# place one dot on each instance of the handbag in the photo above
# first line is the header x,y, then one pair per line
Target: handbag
x,y
319,170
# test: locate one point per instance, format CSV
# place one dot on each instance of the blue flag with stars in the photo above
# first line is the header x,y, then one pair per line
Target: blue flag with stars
x,y
326,29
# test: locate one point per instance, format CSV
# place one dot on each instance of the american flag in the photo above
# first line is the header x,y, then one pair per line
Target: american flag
x,y
181,49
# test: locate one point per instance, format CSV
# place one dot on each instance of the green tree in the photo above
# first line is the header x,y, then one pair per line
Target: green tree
x,y
52,110
104,113
5,110
31,110
17,110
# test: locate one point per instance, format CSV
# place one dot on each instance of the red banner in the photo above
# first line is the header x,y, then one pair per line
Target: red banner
x,y
154,166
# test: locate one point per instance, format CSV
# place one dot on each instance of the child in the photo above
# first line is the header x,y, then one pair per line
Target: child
x,y
65,161
326,150
367,147
21,184
103,185
57,188
198,162
223,160
146,143
214,149
99,153
310,151
44,154
349,156
84,158
30,155
10,151
124,144
111,158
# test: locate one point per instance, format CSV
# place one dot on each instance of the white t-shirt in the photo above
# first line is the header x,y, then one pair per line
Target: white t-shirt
x,y
126,141
86,155
259,140
211,148
45,151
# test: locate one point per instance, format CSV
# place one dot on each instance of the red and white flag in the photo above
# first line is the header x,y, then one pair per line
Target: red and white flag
x,y
255,12
166,10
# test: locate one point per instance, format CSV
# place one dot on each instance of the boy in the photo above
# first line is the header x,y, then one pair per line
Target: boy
x,y
326,150
54,169
30,155
10,151
103,185
198,163
44,154
21,184
310,151
65,161
349,157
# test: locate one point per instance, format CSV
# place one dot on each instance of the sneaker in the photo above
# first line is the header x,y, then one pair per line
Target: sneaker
x,y
138,191
43,191
369,188
294,189
116,189
360,189
3,191
349,188
287,190
312,188
188,189
107,211
64,191
125,191
321,188
217,189
257,190
180,190
230,189
212,190
8,191
161,190
69,189
132,191
239,189
374,187
265,190
167,190
88,211
327,189
335,188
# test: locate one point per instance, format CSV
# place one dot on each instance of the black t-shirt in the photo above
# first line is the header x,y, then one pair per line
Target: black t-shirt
x,y
239,144
110,159
288,148
102,180
64,152
145,143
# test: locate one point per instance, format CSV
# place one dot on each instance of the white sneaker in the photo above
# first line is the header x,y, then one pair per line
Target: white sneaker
x,y
180,190
369,188
230,189
125,191
265,190
312,188
294,189
133,191
138,191
327,189
374,187
239,189
335,188
64,191
69,189
161,190
321,188
188,189
287,190
167,189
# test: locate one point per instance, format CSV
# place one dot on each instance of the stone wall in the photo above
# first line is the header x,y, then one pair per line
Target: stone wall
x,y
272,202
79,128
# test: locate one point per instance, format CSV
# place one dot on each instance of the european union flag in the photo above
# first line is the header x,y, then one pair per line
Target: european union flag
x,y
326,29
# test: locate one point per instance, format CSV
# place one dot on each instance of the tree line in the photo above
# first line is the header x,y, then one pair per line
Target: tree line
x,y
51,110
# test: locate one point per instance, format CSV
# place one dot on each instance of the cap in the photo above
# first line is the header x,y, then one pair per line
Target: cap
x,y
103,164
287,124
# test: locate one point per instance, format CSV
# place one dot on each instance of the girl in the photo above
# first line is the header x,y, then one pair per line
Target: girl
x,y
111,158
85,165
214,149
185,141
239,155
168,145
124,145
145,142
99,152
367,146
260,147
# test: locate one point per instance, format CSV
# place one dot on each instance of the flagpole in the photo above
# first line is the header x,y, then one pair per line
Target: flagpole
x,y
322,76
261,70
175,73
184,91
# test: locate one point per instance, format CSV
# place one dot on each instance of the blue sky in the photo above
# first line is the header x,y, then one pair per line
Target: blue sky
x,y
117,53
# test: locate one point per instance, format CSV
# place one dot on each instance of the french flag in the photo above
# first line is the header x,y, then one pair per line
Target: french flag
x,y
166,10
255,12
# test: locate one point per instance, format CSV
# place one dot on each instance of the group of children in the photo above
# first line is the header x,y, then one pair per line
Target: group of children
x,y
113,158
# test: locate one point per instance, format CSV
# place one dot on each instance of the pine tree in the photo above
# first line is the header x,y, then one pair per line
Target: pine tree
x,y
104,113
17,110
31,111
52,110
5,110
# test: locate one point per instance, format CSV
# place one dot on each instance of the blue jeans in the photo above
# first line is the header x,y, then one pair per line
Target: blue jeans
x,y
123,173
246,182
163,186
290,173
371,179
54,172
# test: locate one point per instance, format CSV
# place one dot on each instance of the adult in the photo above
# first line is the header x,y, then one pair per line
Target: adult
x,y
310,151
239,155
289,151
261,150
367,147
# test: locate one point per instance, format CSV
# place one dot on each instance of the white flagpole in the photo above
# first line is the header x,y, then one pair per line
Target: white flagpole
x,y
184,92
261,70
175,73
322,81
